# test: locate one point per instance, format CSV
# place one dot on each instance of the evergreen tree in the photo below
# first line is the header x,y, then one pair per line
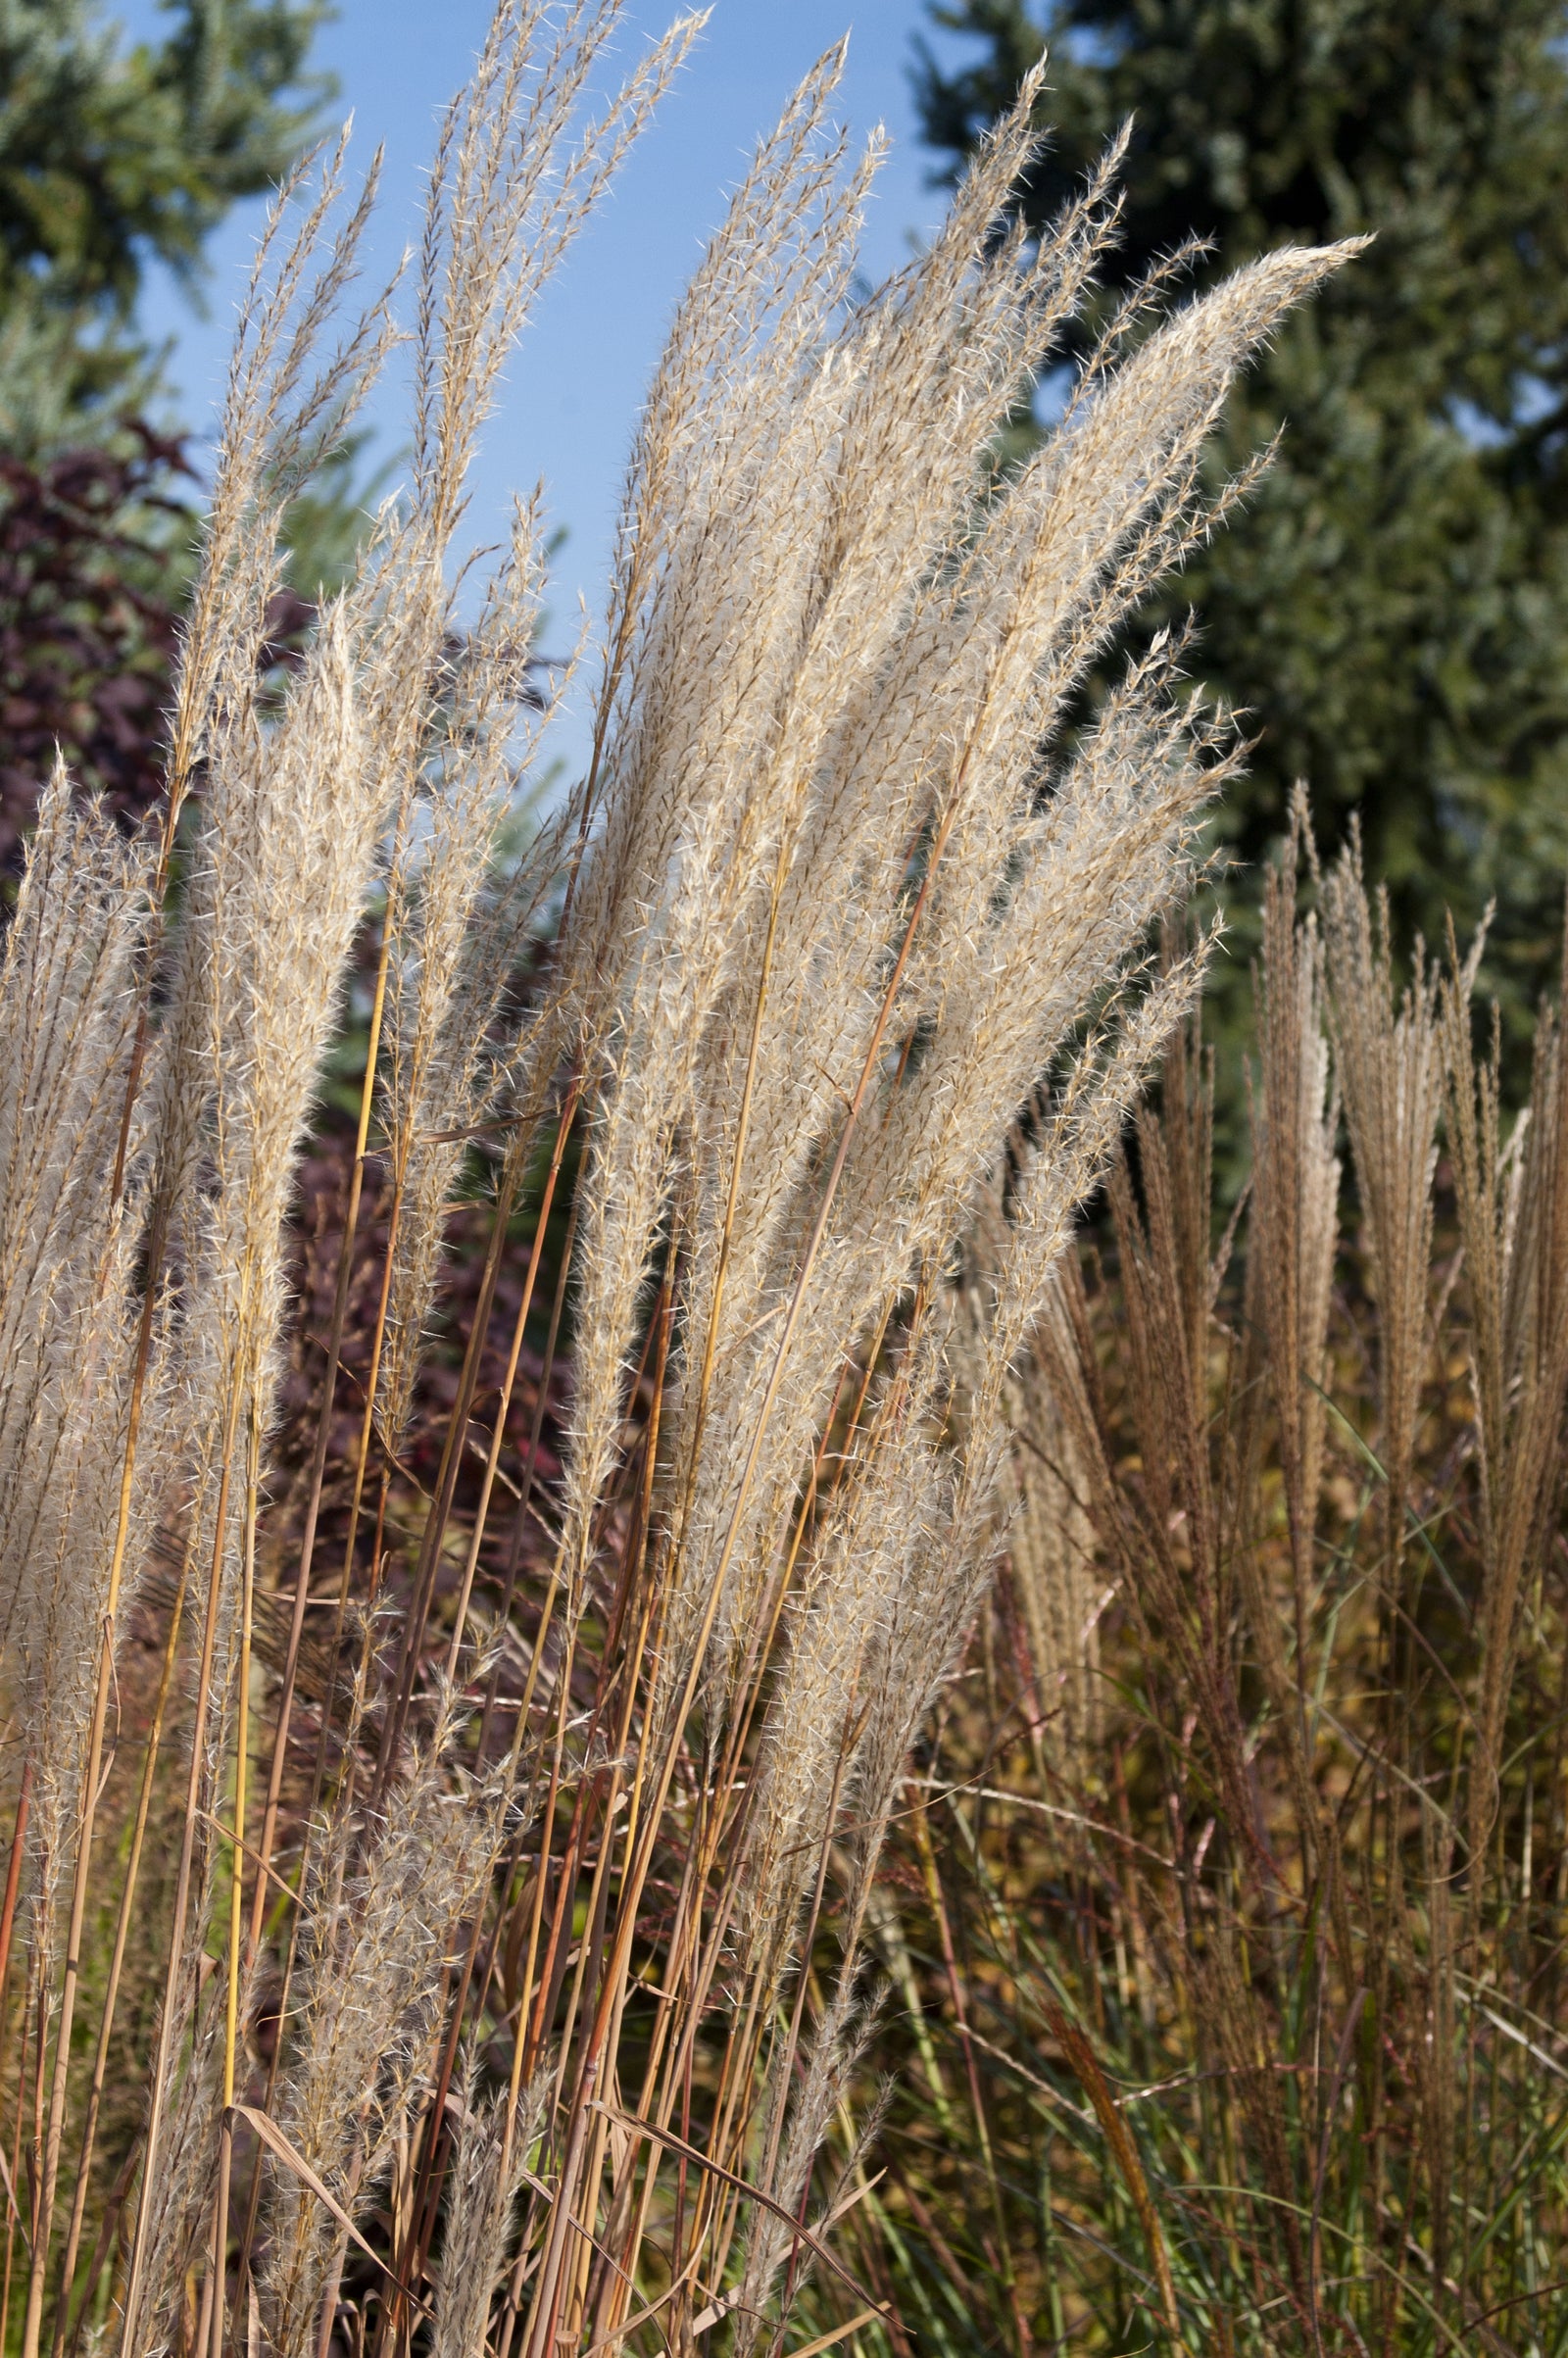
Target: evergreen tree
x,y
1392,609
111,156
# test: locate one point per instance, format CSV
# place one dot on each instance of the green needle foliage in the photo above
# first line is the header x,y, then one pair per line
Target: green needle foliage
x,y
1393,609
111,158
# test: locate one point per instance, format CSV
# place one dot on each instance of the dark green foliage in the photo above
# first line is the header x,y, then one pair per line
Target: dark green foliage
x,y
1392,609
111,156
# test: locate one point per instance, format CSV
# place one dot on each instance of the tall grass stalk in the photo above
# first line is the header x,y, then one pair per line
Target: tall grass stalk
x,y
1256,1978
462,1940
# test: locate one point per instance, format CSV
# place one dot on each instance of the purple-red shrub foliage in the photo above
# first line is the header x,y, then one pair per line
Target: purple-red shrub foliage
x,y
88,621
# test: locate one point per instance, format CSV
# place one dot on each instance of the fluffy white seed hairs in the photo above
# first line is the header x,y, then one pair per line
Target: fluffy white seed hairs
x,y
68,1312
840,895
841,910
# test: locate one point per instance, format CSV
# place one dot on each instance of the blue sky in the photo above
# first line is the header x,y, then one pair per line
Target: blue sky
x,y
575,381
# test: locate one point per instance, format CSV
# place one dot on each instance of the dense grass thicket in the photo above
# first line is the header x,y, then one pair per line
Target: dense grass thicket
x,y
638,1713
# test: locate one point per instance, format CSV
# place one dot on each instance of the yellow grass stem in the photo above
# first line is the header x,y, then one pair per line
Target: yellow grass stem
x,y
122,1923
169,2018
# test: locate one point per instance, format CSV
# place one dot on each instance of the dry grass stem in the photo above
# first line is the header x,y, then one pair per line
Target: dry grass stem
x,y
493,1696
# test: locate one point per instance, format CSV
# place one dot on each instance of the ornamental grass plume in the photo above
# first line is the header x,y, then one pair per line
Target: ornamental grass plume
x,y
1241,2024
512,1969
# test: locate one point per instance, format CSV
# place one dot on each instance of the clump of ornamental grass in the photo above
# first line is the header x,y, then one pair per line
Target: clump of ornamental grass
x,y
1239,2020
479,1864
